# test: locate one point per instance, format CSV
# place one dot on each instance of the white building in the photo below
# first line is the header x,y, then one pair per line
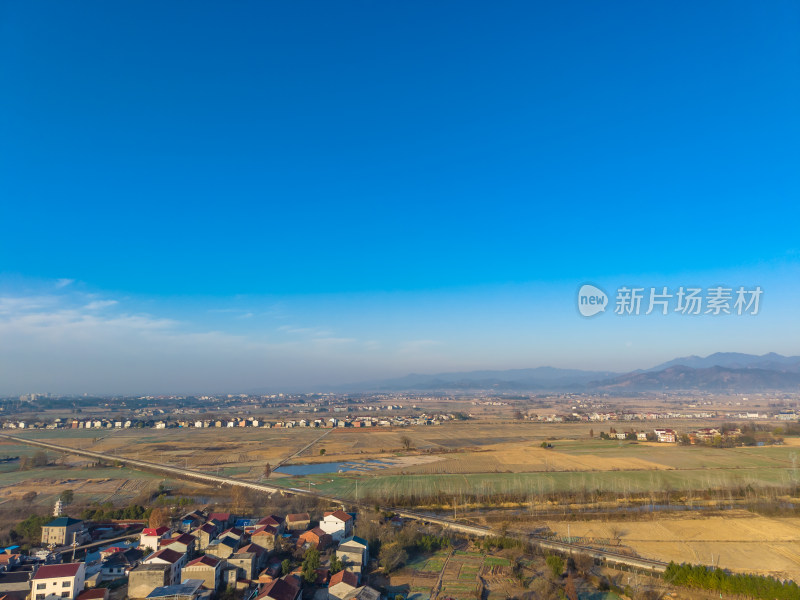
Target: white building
x,y
58,581
337,524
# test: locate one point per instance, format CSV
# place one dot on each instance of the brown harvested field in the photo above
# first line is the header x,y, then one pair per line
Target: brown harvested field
x,y
739,541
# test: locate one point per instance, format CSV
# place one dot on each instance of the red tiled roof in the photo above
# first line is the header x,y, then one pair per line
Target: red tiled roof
x,y
298,517
155,530
166,554
94,594
270,520
54,571
254,548
347,577
205,560
266,530
280,589
219,516
339,514
183,538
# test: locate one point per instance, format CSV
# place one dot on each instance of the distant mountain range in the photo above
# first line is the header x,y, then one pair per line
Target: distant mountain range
x,y
719,372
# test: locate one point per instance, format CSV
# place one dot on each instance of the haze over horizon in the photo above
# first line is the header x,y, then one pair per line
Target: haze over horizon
x,y
220,198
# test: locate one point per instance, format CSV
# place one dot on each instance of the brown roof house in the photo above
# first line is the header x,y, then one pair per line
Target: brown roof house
x,y
314,538
298,522
338,524
285,588
277,522
265,536
206,568
184,543
58,581
204,534
175,560
249,560
342,584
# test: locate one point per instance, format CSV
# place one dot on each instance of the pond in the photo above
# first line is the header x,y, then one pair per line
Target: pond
x,y
333,467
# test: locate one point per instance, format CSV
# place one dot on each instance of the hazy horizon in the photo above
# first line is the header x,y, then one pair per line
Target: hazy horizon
x,y
281,195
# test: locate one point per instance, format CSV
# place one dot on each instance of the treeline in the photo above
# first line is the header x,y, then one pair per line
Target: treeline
x,y
715,579
107,512
712,493
394,547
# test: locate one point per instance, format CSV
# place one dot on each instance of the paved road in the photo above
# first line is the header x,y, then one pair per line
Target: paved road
x,y
606,556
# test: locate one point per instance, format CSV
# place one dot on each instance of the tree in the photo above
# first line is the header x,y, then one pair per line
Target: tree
x,y
335,564
158,518
39,459
556,564
31,528
591,433
407,443
322,451
267,471
67,496
310,565
286,566
518,415
569,589
392,556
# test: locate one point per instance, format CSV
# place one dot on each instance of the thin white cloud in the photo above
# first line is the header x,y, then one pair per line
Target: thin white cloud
x,y
312,331
100,304
62,283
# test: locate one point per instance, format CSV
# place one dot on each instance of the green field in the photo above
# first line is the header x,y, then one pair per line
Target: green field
x,y
392,487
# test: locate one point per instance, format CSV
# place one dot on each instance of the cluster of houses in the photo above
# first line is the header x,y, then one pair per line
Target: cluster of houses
x,y
200,555
106,423
670,436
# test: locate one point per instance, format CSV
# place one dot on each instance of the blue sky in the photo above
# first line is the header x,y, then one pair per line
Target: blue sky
x,y
198,196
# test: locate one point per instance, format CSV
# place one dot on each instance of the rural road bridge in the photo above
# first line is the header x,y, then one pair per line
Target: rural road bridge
x,y
607,557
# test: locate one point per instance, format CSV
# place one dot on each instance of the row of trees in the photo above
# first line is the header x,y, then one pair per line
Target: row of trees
x,y
715,579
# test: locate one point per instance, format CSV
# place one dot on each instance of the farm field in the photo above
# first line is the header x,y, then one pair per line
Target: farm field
x,y
393,488
479,458
740,541
459,572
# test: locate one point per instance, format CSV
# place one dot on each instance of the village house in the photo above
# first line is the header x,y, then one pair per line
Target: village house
x,y
146,577
363,593
354,553
62,531
58,581
272,520
338,524
183,543
222,547
314,538
151,537
116,562
298,522
175,560
341,585
265,536
666,436
206,568
204,535
285,588
189,589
